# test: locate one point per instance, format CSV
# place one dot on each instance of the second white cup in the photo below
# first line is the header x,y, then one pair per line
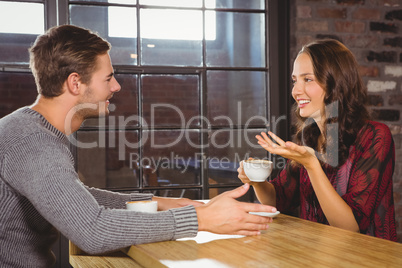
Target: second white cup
x,y
257,170
143,206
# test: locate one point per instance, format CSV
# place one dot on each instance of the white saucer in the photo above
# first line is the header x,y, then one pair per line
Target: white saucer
x,y
266,214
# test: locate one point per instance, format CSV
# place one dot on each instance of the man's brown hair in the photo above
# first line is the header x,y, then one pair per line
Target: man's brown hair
x,y
63,50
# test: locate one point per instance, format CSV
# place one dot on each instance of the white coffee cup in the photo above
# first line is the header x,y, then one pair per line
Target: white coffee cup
x,y
143,206
257,170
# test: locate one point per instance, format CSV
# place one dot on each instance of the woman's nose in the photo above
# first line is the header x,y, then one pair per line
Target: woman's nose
x,y
297,89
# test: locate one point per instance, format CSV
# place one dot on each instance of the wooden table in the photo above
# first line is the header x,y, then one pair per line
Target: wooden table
x,y
80,259
289,242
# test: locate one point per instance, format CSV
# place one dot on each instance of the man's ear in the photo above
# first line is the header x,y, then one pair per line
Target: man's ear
x,y
74,83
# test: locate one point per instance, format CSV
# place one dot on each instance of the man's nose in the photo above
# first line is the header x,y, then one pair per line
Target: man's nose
x,y
116,87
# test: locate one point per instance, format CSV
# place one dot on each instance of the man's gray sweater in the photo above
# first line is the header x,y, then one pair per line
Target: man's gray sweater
x,y
41,195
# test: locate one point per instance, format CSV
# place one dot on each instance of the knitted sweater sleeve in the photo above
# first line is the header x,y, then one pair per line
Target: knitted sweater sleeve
x,y
41,169
111,199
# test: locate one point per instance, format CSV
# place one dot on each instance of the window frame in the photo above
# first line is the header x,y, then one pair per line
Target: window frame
x,y
277,69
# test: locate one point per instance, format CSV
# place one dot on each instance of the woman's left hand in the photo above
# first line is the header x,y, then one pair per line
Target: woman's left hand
x,y
302,154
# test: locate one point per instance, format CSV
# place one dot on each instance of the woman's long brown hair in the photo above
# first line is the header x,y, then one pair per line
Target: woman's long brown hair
x,y
336,70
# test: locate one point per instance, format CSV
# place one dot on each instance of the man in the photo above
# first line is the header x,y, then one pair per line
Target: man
x,y
40,193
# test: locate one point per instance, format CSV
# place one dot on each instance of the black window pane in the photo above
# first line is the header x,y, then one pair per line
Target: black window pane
x,y
171,157
171,100
172,3
118,25
240,40
236,98
227,148
19,30
240,4
16,90
108,159
14,47
123,106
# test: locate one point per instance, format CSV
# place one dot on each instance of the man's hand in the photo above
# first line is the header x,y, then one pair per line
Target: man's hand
x,y
165,203
224,215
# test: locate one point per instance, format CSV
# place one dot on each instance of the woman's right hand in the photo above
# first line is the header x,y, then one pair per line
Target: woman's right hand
x,y
242,175
264,191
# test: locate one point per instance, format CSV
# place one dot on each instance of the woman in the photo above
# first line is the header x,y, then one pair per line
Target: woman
x,y
340,166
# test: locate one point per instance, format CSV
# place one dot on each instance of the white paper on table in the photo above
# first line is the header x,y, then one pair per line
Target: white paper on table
x,y
199,263
205,237
204,200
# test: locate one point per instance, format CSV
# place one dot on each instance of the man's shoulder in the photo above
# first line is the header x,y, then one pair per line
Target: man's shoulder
x,y
18,122
20,113
18,126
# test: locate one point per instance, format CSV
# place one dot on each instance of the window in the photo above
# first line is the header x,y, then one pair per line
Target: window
x,y
196,88
200,72
15,33
10,14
